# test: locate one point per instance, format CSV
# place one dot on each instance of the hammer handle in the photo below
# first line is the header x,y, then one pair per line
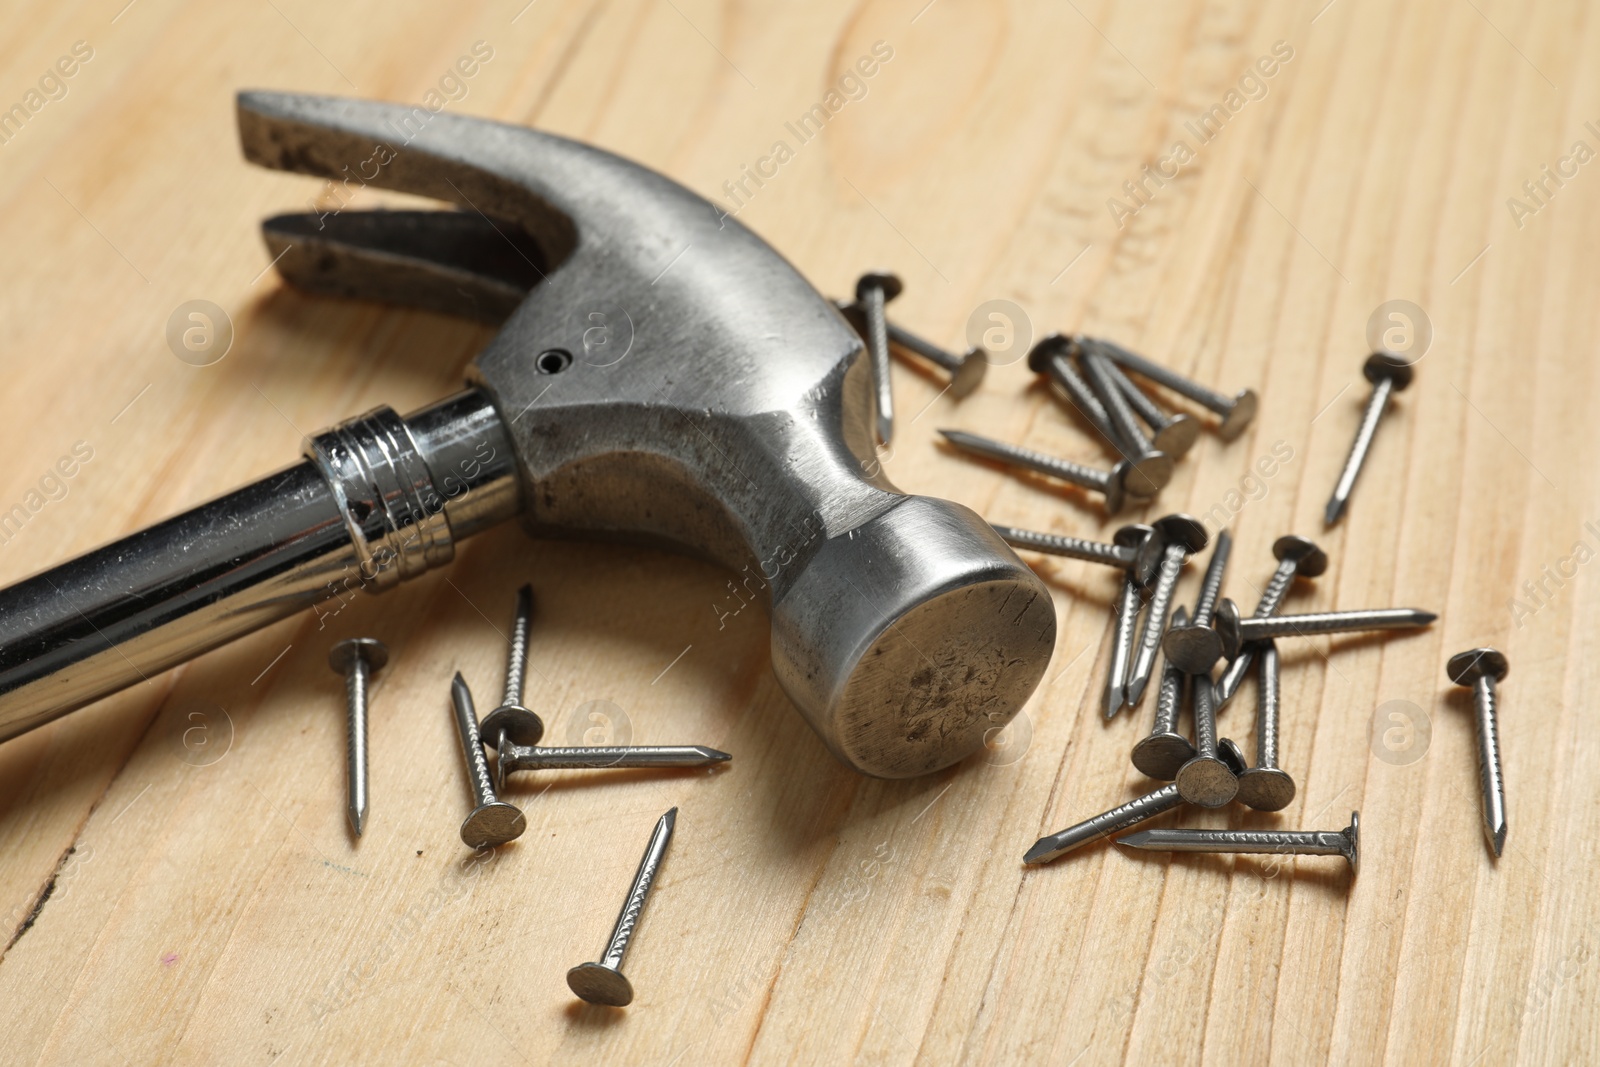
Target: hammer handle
x,y
121,614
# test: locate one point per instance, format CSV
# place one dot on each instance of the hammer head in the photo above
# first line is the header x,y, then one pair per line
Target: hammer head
x,y
664,375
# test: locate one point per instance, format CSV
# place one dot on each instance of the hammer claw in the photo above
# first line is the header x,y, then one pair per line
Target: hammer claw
x,y
453,262
489,169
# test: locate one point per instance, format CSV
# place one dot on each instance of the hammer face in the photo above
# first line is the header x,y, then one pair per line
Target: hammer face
x,y
912,641
670,377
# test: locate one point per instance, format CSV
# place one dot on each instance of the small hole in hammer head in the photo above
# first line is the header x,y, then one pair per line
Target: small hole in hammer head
x,y
553,361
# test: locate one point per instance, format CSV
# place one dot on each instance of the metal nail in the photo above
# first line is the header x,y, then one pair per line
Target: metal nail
x,y
1236,411
1052,357
873,290
1481,669
514,757
1112,483
1152,469
966,371
1195,648
1265,787
603,982
1207,779
1180,536
1229,752
1118,818
493,821
1297,558
1139,554
1237,631
1164,750
511,721
1174,434
358,659
1115,696
1344,842
1389,374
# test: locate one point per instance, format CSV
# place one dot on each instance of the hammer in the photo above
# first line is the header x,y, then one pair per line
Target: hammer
x,y
662,375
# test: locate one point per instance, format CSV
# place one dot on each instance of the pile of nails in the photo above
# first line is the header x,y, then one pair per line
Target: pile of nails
x,y
1091,375
1205,770
514,732
1088,374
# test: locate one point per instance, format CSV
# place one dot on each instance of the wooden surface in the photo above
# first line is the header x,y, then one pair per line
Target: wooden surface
x,y
195,897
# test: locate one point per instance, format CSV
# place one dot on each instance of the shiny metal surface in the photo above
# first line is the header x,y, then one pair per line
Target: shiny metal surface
x,y
1206,779
1152,469
1389,374
1120,817
1195,647
1171,433
1115,695
357,659
1164,750
514,757
1181,536
1237,631
603,982
1136,552
492,821
1297,557
1344,842
121,614
511,721
1111,483
966,370
1237,411
1051,356
1481,669
731,417
1265,787
1066,545
1229,752
873,291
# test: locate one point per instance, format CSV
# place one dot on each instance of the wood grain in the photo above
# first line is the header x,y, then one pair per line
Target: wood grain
x,y
170,901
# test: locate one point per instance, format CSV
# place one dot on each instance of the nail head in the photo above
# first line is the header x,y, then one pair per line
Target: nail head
x,y
1465,668
1240,415
600,985
1381,366
493,824
518,725
969,373
1265,789
1162,755
342,656
1040,355
1308,558
889,282
1207,781
1185,530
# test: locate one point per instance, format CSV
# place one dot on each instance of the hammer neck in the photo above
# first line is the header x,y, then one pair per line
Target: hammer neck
x,y
379,499
408,488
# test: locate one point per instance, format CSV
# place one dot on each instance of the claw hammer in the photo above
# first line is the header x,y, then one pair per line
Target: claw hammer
x,y
734,425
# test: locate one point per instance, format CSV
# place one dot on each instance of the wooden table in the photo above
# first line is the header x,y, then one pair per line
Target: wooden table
x,y
179,883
